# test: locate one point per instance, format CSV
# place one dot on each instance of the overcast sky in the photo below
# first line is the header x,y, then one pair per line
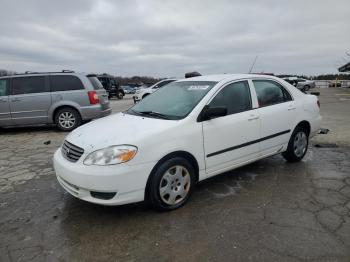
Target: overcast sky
x,y
167,38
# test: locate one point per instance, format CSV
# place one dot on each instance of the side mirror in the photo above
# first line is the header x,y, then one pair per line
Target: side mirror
x,y
212,112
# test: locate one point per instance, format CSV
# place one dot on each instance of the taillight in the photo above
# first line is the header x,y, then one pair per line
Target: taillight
x,y
318,103
93,97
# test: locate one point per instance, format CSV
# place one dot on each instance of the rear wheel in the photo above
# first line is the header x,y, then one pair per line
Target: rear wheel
x,y
307,88
297,146
120,95
67,119
170,186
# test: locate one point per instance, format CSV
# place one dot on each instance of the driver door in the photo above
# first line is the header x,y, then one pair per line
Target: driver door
x,y
234,138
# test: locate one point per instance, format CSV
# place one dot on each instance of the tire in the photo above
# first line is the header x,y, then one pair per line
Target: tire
x,y
297,145
67,119
307,88
120,95
171,184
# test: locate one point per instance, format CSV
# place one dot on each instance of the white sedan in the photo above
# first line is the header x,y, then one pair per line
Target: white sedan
x,y
143,92
189,130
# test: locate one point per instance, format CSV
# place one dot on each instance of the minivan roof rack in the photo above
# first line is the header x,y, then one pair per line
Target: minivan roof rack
x,y
31,72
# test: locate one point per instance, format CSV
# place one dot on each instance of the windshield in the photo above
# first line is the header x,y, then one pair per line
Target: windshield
x,y
173,101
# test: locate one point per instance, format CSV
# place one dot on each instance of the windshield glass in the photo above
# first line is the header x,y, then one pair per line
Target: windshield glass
x,y
173,101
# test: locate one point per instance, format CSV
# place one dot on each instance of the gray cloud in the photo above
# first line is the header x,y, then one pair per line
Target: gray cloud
x,y
169,38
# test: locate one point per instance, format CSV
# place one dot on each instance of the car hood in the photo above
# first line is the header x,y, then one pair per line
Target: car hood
x,y
118,129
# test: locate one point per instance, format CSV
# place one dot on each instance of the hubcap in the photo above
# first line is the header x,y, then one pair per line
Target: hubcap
x,y
300,144
66,120
175,185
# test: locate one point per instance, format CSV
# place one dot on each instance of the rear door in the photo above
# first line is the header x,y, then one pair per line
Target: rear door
x,y
234,138
277,112
5,113
30,100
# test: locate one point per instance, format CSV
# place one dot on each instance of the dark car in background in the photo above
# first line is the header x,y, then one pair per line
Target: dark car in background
x,y
111,86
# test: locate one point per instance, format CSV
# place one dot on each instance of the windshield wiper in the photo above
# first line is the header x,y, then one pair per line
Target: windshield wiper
x,y
153,113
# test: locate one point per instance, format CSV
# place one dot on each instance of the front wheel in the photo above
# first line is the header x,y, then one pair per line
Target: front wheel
x,y
171,184
306,88
297,146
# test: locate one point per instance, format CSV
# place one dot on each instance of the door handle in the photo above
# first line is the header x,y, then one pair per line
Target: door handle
x,y
16,100
291,108
3,100
253,118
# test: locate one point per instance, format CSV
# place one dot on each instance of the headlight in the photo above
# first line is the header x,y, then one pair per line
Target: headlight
x,y
111,155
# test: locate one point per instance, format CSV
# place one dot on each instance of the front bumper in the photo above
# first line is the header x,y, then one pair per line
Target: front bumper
x,y
128,182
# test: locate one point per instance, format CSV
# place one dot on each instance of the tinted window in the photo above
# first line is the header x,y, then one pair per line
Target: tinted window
x,y
96,83
65,83
28,85
270,93
3,87
235,97
104,81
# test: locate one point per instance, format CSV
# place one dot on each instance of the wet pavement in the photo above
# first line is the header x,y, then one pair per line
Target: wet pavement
x,y
267,211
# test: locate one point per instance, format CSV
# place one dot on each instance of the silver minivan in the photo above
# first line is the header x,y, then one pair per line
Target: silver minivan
x,y
62,98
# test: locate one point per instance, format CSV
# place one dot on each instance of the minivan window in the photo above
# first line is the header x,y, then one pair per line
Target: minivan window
x,y
3,87
235,97
65,83
174,101
270,93
95,82
28,85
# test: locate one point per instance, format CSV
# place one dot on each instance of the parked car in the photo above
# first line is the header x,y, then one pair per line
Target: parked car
x,y
143,92
111,86
64,98
334,83
187,131
129,89
301,83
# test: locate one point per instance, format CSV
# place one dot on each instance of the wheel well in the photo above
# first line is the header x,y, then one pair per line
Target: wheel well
x,y
182,154
60,107
145,95
305,124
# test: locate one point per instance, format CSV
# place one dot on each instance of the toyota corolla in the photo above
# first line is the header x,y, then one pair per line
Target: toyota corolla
x,y
188,131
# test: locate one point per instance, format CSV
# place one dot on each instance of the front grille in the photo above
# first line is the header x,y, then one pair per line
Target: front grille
x,y
71,152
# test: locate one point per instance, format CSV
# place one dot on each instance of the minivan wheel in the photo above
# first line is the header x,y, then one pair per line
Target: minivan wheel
x,y
307,88
67,119
297,146
171,184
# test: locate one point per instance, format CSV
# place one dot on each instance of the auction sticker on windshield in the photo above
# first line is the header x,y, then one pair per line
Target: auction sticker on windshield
x,y
198,87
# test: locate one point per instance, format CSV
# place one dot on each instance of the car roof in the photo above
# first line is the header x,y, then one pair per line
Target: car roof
x,y
225,77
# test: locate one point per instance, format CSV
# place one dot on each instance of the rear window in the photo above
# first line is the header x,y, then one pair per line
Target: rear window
x,y
28,85
95,82
65,83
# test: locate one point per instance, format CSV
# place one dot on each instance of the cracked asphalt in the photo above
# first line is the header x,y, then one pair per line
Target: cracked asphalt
x,y
267,211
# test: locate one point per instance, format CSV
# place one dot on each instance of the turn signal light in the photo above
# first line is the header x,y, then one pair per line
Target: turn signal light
x,y
93,97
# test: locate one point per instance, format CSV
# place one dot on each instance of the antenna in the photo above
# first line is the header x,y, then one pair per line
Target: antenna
x,y
251,68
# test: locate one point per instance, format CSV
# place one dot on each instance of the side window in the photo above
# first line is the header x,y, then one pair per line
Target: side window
x,y
235,97
270,93
65,83
28,85
3,87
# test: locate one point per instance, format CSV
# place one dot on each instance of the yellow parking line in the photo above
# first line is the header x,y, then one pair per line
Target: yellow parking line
x,y
345,94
